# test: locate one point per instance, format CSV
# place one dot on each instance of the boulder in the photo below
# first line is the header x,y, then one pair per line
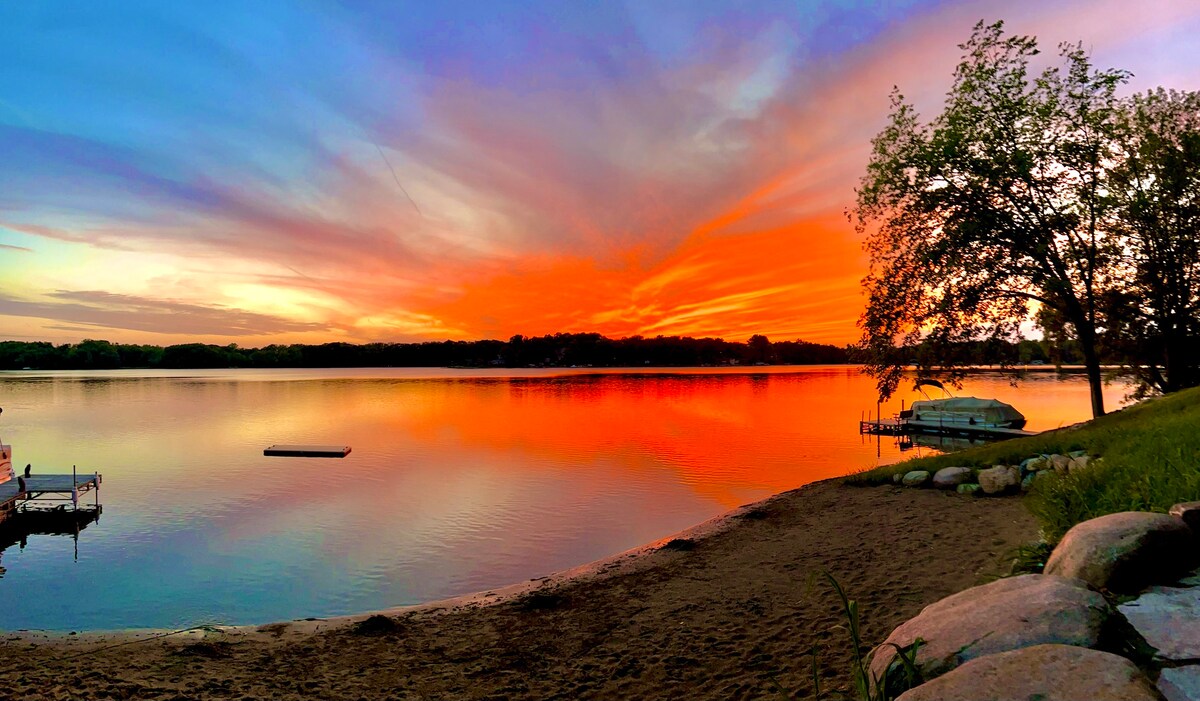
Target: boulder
x,y
951,477
1125,552
1167,618
916,478
1188,511
1007,614
897,478
999,479
1043,672
1078,463
1060,463
1180,683
968,489
1036,464
1027,481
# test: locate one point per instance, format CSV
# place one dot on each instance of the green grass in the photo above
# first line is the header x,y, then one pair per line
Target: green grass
x,y
1151,460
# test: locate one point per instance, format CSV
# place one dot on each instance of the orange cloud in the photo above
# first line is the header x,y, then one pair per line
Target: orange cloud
x,y
793,281
699,195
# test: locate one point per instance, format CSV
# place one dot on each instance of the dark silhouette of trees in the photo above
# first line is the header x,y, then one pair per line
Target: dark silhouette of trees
x,y
995,207
556,350
759,347
1154,315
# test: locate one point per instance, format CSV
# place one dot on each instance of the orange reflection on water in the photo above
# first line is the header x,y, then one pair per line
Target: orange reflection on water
x,y
459,480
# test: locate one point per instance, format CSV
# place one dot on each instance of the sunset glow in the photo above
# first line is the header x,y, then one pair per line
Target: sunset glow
x,y
237,173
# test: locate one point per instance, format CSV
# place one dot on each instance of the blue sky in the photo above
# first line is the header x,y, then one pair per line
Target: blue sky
x,y
392,171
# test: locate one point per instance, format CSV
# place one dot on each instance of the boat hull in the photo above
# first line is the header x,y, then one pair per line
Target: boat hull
x,y
966,412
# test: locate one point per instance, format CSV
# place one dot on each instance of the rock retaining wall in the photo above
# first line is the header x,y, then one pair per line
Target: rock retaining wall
x,y
1058,635
998,479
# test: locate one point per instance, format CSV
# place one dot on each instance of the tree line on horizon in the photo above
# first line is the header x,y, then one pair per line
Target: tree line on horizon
x,y
556,350
1035,197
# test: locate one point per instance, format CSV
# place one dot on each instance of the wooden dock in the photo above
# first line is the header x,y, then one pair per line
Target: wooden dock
x,y
903,427
49,493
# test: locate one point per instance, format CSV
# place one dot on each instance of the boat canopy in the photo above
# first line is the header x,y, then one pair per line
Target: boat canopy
x,y
991,411
920,386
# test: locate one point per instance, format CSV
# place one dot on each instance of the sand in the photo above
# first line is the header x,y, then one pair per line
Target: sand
x,y
731,610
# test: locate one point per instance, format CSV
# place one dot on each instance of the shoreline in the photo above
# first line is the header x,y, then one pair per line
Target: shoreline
x,y
626,562
730,613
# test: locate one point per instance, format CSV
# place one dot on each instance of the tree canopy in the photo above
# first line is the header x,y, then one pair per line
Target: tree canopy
x,y
1024,200
1154,316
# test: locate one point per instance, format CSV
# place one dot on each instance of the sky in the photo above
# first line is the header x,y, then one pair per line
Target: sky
x,y
305,172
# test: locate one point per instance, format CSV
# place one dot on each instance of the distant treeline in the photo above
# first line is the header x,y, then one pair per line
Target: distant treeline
x,y
558,350
1062,351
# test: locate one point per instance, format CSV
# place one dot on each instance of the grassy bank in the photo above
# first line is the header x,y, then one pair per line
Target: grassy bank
x,y
1151,460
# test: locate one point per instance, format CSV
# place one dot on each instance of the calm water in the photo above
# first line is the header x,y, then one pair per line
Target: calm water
x,y
460,480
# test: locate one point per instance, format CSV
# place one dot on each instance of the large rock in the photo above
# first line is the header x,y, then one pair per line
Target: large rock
x,y
1078,463
1060,463
951,477
916,478
1180,683
1189,511
1007,614
1035,464
1169,620
999,479
1124,552
1043,672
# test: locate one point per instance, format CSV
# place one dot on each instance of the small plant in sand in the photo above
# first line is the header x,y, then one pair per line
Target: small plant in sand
x,y
1030,558
866,686
901,676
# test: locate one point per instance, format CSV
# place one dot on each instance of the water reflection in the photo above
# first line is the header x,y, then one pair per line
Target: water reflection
x,y
458,481
36,523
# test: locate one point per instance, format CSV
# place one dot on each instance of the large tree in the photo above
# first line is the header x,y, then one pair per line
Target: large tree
x,y
1154,317
991,210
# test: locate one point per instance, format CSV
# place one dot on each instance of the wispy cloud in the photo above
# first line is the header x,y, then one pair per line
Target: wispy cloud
x,y
104,310
623,169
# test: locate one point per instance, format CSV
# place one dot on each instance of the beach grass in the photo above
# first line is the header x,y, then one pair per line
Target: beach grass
x,y
1149,460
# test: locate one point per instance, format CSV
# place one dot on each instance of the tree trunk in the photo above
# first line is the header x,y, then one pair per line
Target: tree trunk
x,y
1179,363
1091,360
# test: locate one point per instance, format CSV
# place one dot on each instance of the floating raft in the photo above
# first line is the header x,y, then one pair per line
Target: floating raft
x,y
308,451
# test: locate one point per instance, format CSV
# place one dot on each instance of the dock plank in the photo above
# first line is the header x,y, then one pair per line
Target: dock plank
x,y
901,427
46,483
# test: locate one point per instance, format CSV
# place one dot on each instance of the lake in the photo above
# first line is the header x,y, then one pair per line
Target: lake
x,y
459,480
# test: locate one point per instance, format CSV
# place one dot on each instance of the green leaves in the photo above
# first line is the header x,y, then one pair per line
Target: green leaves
x,y
997,207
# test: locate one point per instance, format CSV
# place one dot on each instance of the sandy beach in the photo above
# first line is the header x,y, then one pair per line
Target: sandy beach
x,y
727,610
